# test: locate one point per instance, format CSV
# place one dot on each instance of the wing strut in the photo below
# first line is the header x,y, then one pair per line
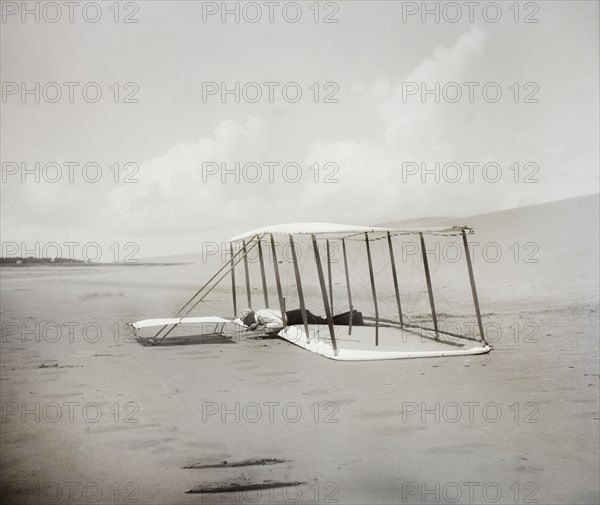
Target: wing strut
x,y
373,289
395,277
262,273
247,274
473,288
429,287
348,286
233,293
329,277
226,265
324,293
299,288
278,282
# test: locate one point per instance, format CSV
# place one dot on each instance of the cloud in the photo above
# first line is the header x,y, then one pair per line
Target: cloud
x,y
174,202
173,197
417,127
177,193
411,131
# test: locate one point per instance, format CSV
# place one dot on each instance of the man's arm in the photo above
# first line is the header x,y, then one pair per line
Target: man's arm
x,y
269,319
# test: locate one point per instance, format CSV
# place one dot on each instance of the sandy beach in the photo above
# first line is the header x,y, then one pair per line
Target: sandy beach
x,y
91,416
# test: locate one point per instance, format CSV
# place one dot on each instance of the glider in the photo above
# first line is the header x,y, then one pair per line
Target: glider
x,y
379,336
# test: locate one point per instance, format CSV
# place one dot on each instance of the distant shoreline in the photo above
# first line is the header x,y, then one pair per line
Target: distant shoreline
x,y
31,262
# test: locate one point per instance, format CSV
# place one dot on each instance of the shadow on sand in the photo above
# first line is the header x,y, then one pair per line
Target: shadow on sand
x,y
215,338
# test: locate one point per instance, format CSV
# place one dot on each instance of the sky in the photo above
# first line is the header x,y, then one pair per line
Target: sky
x,y
150,128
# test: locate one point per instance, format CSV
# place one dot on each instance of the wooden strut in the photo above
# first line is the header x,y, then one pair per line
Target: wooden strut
x,y
395,277
347,285
247,274
262,274
299,288
204,295
429,286
278,282
473,288
329,277
373,289
328,314
233,292
283,314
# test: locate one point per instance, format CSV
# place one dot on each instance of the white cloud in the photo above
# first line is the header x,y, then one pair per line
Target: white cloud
x,y
411,131
175,195
172,197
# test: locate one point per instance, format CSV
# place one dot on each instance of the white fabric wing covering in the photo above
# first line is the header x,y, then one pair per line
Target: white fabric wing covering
x,y
146,323
363,349
346,231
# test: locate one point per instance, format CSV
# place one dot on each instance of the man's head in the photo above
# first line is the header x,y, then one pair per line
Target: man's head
x,y
247,317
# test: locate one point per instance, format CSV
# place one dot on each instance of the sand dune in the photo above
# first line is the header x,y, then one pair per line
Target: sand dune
x,y
88,411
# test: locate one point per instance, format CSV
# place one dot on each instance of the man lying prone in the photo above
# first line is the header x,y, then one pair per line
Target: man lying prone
x,y
270,320
264,320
